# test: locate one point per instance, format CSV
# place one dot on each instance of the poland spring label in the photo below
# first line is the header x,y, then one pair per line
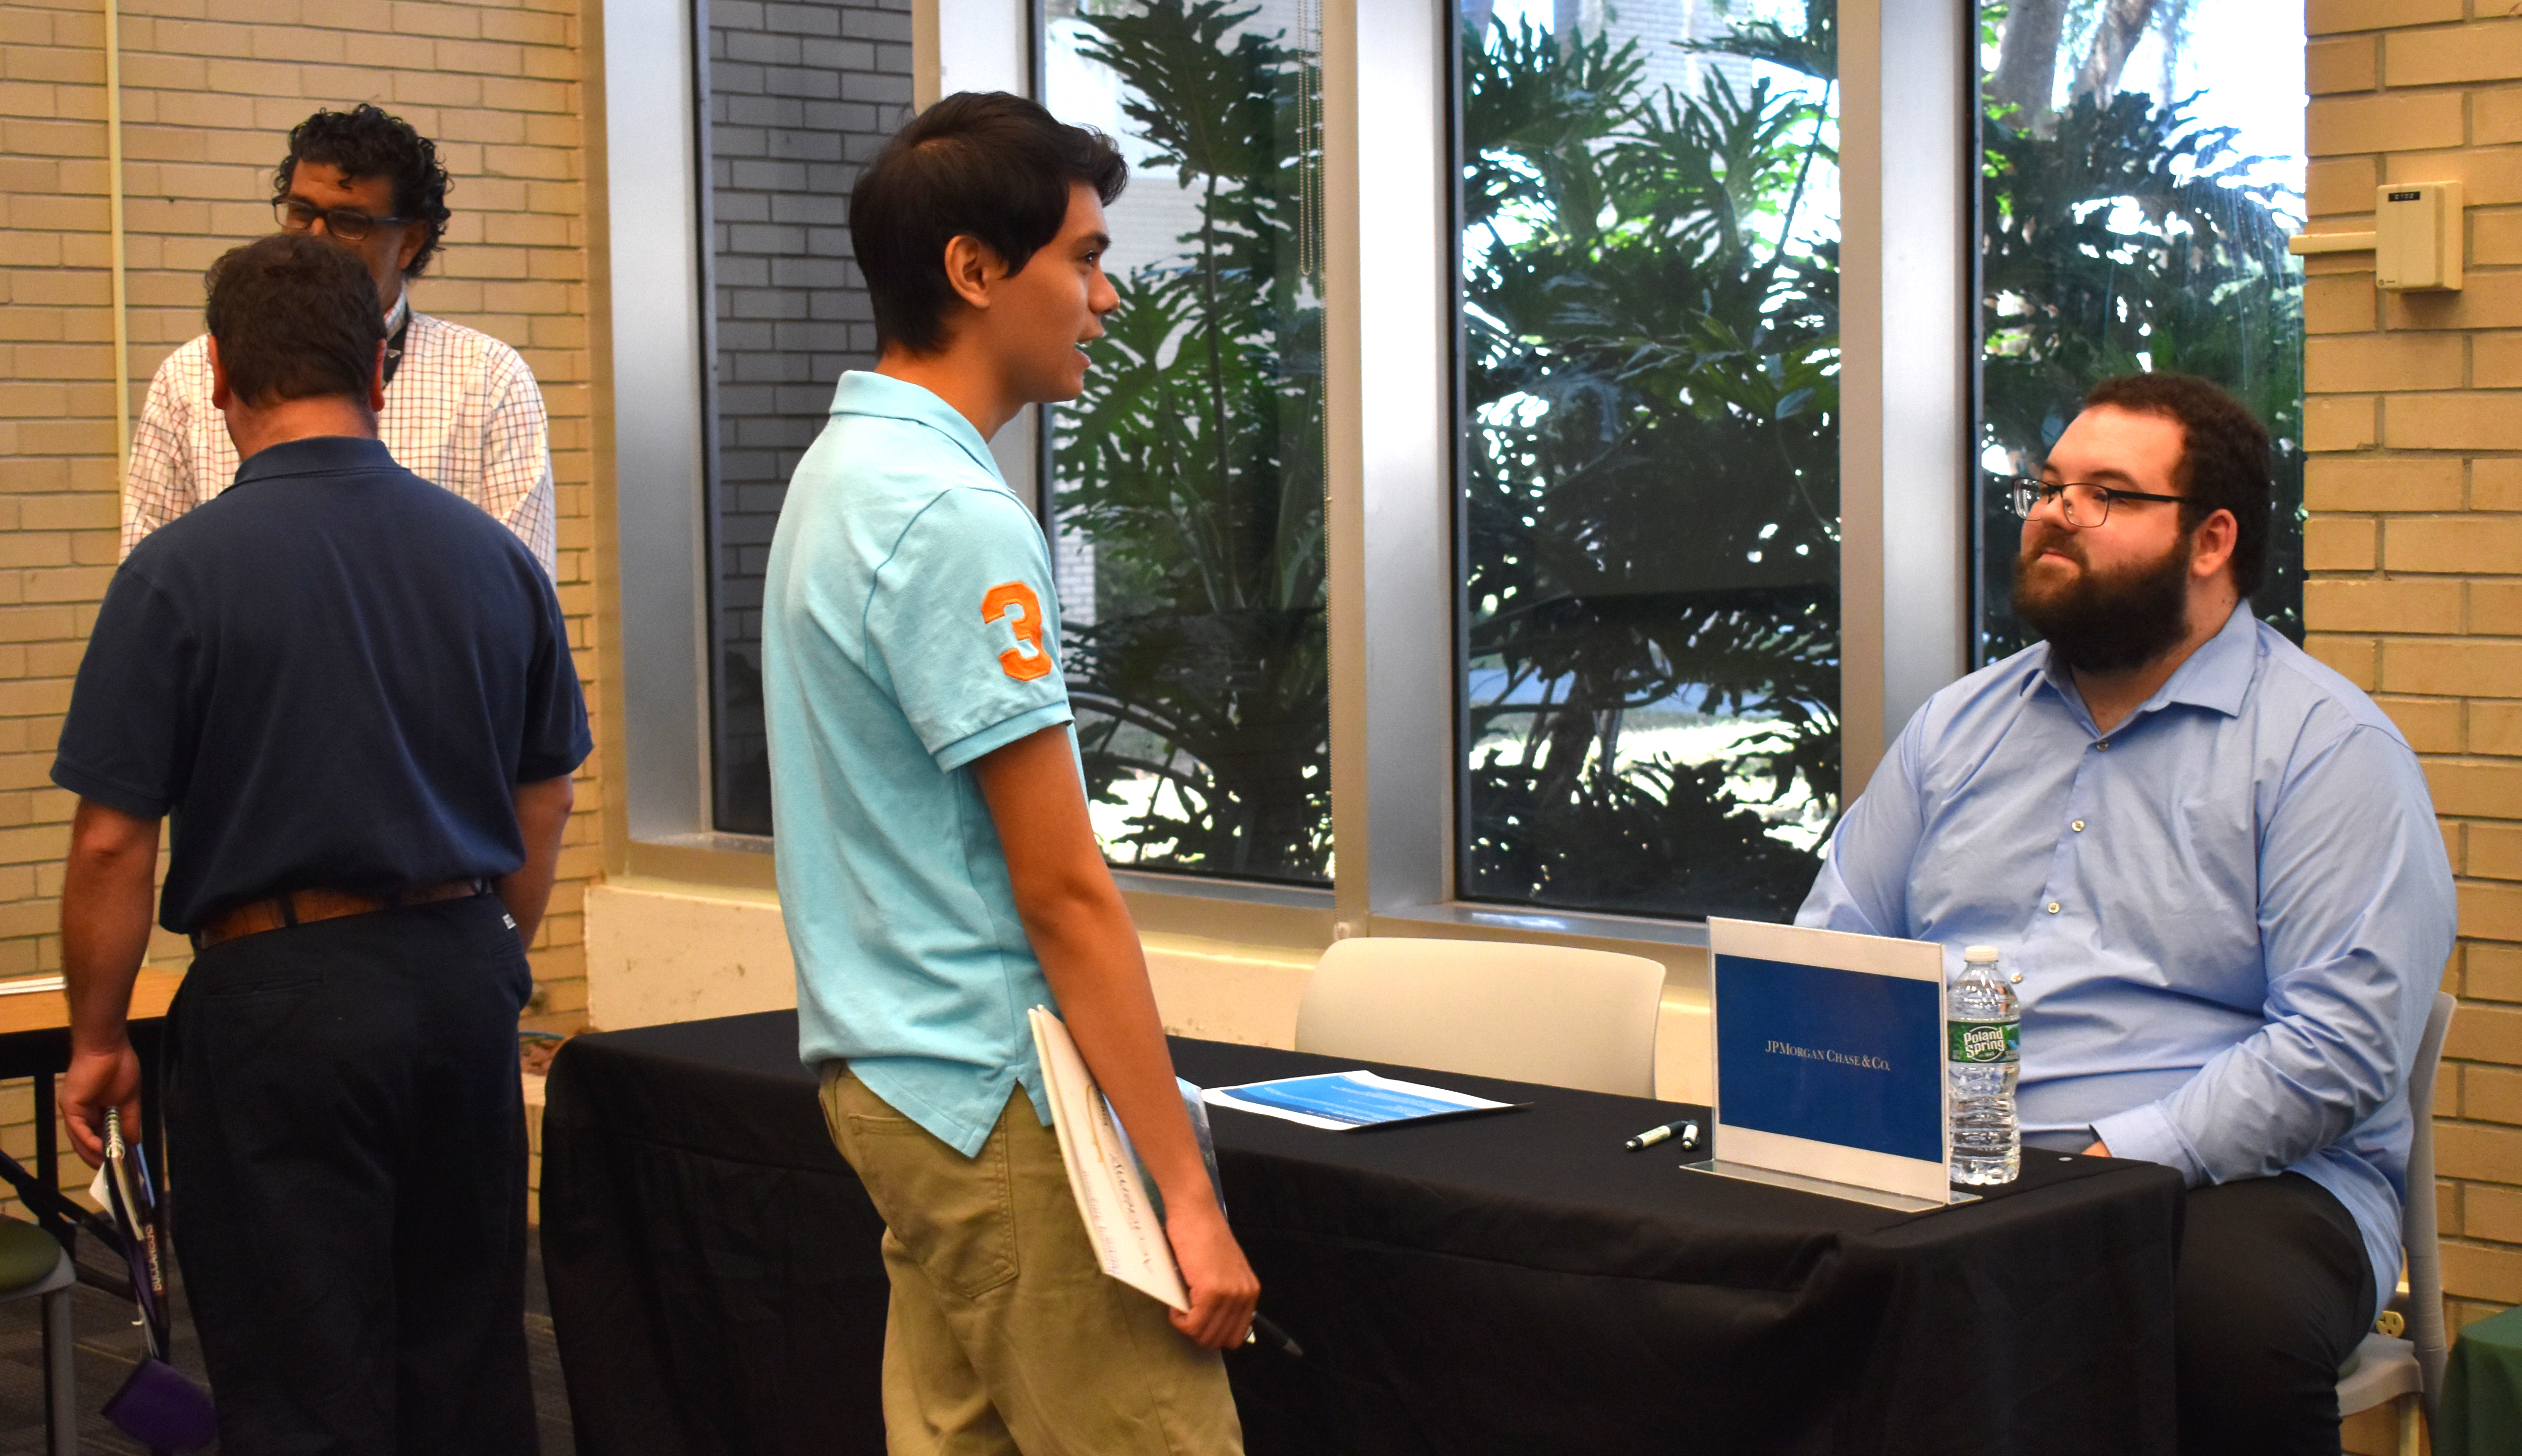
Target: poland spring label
x,y
1984,1041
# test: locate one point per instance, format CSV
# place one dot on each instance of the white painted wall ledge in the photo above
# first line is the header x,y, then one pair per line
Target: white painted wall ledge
x,y
660,951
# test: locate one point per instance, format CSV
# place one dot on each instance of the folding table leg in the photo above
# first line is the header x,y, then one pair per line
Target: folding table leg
x,y
48,1157
61,1385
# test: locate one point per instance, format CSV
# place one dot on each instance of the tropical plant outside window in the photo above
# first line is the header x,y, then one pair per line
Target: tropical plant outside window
x,y
1186,500
1650,454
2141,168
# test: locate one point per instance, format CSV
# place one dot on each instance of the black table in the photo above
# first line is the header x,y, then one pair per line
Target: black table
x,y
1515,1284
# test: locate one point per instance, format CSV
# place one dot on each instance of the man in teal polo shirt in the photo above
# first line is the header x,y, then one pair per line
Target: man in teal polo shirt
x,y
937,868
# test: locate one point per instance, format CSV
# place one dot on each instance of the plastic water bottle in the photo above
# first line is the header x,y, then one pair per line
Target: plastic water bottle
x,y
1982,1046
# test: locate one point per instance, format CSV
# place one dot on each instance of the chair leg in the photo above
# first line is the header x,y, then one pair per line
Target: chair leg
x,y
2407,1405
61,1385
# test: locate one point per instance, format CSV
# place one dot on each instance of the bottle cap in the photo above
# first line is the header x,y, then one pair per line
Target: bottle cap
x,y
1980,955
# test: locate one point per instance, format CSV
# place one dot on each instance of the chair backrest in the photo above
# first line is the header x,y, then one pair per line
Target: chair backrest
x,y
1547,1014
2417,1209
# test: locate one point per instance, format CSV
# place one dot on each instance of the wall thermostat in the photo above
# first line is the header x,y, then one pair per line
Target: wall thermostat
x,y
2416,238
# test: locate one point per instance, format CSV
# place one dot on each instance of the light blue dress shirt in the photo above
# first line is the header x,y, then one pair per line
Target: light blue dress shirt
x,y
2230,913
908,626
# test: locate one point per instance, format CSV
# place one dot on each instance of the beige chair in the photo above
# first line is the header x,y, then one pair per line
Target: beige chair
x,y
1525,1012
2410,1370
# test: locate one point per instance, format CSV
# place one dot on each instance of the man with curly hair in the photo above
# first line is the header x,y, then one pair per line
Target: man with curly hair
x,y
461,410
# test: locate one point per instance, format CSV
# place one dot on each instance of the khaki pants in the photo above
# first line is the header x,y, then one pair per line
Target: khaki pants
x,y
1004,1335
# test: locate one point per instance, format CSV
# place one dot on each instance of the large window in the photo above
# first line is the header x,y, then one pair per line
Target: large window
x,y
2142,167
1185,499
1607,636
1649,454
799,94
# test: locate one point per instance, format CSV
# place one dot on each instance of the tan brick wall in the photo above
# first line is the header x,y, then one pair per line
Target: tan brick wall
x,y
2415,541
210,88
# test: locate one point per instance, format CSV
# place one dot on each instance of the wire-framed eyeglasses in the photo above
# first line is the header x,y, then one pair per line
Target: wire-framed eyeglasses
x,y
348,225
2084,502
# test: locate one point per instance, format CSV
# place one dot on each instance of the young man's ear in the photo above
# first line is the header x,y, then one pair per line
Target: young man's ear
x,y
219,377
971,266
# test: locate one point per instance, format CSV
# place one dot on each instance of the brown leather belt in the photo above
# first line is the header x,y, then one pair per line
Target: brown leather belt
x,y
300,906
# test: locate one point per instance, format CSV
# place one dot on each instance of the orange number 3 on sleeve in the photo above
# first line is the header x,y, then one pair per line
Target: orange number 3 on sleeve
x,y
1026,660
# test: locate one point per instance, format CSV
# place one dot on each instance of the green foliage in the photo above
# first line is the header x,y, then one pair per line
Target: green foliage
x,y
1194,463
2126,235
1651,502
1650,362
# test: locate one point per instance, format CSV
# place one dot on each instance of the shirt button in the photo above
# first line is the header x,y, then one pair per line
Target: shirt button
x,y
2053,907
2018,978
2104,746
2078,826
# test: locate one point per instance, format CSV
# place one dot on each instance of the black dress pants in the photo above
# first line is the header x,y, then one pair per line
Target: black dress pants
x,y
2274,1290
347,1144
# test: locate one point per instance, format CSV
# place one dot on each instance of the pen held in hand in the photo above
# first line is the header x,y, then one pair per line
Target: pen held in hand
x,y
1263,1331
1687,1129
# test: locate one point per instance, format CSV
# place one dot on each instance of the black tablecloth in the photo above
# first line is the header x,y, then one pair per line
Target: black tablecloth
x,y
1515,1284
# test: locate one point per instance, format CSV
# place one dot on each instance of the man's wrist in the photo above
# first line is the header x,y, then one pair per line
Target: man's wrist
x,y
101,1032
101,1043
1184,1185
2146,1134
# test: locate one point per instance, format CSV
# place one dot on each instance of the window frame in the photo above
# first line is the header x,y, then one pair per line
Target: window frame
x,y
1908,70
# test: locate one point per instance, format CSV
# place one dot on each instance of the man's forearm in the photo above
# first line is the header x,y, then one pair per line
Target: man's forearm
x,y
2259,1107
542,816
1080,932
1090,954
108,888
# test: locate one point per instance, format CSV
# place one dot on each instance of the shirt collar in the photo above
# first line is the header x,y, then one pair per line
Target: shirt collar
x,y
864,392
2219,673
401,310
2218,676
316,455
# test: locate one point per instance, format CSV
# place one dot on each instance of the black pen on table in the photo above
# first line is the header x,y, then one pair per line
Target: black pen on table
x,y
1687,1129
1261,1329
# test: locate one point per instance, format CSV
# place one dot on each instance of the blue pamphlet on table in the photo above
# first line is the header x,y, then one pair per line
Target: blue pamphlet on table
x,y
1348,1100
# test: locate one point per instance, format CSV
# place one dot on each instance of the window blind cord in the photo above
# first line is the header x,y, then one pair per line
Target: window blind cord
x,y
114,227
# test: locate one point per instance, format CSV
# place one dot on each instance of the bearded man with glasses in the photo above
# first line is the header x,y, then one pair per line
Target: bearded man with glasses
x,y
462,409
2212,866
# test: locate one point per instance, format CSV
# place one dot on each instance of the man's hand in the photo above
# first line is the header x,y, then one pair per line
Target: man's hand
x,y
98,1080
2099,1149
1224,1290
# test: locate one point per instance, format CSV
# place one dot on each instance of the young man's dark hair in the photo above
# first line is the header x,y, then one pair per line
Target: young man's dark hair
x,y
294,317
2223,458
365,142
986,165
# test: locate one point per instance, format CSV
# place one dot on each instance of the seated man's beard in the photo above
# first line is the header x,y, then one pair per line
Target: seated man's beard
x,y
2107,623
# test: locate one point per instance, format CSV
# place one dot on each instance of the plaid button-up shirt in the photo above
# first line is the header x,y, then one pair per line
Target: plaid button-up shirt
x,y
462,411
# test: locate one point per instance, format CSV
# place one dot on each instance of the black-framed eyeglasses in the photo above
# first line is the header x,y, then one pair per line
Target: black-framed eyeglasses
x,y
2085,503
348,225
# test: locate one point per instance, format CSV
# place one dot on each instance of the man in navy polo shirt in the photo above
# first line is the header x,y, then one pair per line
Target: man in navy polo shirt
x,y
351,692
